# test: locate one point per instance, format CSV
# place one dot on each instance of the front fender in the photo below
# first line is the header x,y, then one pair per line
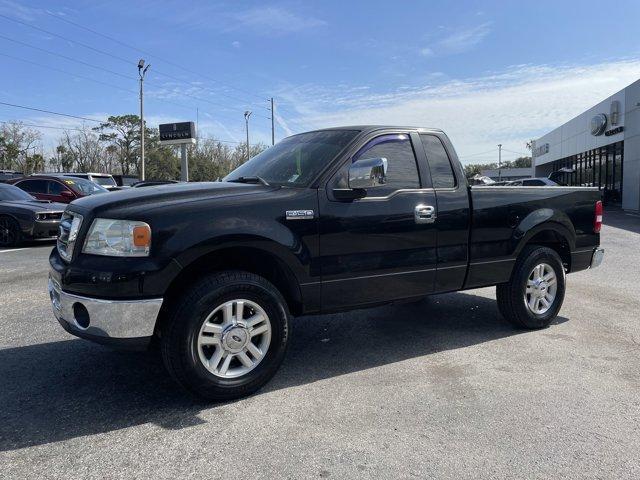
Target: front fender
x,y
293,253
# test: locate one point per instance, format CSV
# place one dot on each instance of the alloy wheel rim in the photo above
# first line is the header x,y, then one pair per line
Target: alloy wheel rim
x,y
6,232
541,289
234,338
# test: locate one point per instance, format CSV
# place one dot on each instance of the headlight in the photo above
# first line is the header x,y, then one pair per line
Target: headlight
x,y
118,238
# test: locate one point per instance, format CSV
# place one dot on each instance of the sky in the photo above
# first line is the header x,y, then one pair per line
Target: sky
x,y
486,72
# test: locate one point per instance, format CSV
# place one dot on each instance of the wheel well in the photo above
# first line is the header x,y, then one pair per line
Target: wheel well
x,y
555,241
248,259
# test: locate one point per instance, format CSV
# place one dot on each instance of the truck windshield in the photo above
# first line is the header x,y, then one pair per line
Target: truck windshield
x,y
296,160
84,186
11,193
104,181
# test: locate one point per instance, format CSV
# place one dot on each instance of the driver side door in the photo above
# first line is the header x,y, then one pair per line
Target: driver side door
x,y
375,249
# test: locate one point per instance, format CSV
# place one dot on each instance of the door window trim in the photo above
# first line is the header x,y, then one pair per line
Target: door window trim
x,y
360,144
456,181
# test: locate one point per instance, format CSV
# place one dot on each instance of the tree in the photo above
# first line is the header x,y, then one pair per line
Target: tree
x,y
123,133
16,142
473,169
62,161
84,150
522,162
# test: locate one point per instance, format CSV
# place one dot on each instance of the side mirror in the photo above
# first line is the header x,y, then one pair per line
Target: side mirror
x,y
368,172
363,174
67,194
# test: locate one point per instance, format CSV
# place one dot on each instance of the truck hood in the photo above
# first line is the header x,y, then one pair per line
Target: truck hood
x,y
151,197
35,205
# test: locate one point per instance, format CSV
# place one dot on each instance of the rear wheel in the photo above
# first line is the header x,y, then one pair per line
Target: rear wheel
x,y
534,295
9,232
227,336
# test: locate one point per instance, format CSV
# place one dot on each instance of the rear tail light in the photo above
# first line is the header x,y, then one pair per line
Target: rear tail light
x,y
597,217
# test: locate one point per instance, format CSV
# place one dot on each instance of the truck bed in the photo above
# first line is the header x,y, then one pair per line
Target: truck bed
x,y
504,218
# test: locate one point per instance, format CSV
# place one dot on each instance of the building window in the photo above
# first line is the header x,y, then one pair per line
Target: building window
x,y
600,167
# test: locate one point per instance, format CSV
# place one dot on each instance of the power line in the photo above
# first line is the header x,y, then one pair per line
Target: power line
x,y
51,112
517,153
97,50
68,73
76,75
49,52
6,122
58,17
40,126
478,154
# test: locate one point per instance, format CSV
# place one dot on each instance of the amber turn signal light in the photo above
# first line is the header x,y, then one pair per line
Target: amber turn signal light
x,y
142,236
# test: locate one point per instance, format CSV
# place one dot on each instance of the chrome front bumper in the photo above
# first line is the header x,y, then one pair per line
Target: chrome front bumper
x,y
97,319
596,258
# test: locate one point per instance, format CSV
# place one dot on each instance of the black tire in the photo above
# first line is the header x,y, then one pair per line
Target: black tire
x,y
179,334
10,234
511,296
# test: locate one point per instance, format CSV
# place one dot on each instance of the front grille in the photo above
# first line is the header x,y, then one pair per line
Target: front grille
x,y
68,232
49,216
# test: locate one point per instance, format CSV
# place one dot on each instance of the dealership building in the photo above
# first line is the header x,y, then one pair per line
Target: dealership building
x,y
600,148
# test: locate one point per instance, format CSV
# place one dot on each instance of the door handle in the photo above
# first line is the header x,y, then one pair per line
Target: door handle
x,y
424,214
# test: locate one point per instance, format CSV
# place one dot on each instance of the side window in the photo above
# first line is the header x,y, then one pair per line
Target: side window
x,y
55,188
34,186
402,169
533,183
441,172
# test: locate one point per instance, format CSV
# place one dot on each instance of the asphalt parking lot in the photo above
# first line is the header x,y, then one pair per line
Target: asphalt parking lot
x,y
440,389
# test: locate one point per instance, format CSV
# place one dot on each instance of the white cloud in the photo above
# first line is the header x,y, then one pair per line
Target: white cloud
x,y
275,21
466,39
459,41
236,44
281,122
17,10
426,52
508,107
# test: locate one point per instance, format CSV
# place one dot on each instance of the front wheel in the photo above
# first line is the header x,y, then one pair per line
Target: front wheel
x,y
534,295
9,232
227,336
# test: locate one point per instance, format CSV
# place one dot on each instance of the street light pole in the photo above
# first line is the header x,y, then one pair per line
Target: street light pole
x,y
142,70
499,162
273,125
247,114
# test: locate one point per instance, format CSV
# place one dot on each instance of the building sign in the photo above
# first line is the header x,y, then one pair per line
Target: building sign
x,y
598,124
541,150
177,133
614,131
614,112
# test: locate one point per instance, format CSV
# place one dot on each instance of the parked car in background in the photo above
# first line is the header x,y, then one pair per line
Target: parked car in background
x,y
22,217
6,175
103,179
126,180
533,182
57,188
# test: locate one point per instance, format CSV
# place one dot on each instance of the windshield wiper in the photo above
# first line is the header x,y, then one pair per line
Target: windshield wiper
x,y
250,180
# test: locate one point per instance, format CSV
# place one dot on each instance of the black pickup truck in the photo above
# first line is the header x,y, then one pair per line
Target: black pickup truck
x,y
324,221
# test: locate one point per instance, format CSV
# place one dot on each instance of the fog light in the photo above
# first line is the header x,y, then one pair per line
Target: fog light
x,y
81,315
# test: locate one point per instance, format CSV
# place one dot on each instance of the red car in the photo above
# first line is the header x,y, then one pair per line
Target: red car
x,y
57,189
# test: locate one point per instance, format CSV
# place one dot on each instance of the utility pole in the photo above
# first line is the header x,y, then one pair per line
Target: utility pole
x,y
273,125
142,70
499,162
247,114
184,163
